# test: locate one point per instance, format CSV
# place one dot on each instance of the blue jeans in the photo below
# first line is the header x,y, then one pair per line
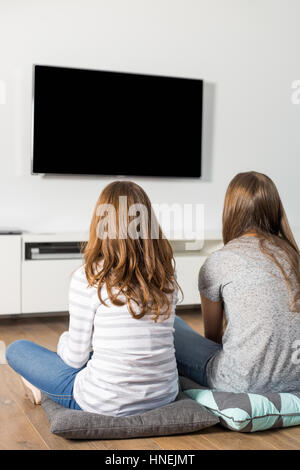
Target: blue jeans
x,y
45,370
192,351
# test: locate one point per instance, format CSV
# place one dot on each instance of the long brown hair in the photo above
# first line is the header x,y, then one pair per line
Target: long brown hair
x,y
136,270
252,205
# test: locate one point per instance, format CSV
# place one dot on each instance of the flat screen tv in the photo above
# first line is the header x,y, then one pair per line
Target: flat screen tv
x,y
92,122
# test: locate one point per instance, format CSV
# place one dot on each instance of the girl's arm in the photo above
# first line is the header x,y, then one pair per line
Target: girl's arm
x,y
74,346
212,278
213,319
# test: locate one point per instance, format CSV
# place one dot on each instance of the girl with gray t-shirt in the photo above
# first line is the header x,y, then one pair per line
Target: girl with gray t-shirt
x,y
253,283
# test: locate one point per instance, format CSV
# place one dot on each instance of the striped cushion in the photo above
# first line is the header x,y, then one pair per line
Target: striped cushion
x,y
248,412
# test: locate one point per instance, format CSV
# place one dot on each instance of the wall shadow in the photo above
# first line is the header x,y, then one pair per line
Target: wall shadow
x,y
209,92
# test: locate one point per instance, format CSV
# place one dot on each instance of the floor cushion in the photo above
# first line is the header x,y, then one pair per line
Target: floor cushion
x,y
182,416
248,412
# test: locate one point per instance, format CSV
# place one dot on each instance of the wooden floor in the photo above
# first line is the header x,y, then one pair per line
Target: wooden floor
x,y
25,426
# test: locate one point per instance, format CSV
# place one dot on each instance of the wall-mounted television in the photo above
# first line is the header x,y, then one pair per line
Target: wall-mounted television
x,y
92,122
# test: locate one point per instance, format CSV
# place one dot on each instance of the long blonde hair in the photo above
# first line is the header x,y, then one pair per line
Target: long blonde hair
x,y
252,204
138,271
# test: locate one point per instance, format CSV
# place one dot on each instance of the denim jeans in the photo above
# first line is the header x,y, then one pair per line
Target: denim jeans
x,y
48,372
45,370
192,351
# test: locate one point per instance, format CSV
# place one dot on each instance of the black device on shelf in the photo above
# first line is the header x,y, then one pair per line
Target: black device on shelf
x,y
53,250
113,123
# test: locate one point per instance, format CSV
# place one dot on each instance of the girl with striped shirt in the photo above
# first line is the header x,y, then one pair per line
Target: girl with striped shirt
x,y
117,357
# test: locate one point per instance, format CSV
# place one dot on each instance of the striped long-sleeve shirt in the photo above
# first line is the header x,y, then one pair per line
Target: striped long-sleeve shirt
x,y
132,368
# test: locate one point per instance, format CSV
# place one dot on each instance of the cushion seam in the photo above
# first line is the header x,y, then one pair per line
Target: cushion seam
x,y
253,417
143,426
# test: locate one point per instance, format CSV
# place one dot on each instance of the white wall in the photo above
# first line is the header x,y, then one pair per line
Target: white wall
x,y
247,51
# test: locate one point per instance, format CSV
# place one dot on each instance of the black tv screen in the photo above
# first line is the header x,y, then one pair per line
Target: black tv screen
x,y
93,122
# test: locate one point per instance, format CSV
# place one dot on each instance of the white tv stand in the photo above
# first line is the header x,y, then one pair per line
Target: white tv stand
x,y
34,286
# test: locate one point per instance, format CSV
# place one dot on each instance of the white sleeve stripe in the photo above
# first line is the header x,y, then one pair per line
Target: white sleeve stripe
x,y
79,341
79,292
78,352
76,320
80,305
76,349
81,331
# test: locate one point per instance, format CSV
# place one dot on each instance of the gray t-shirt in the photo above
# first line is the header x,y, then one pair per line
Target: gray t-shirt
x,y
260,342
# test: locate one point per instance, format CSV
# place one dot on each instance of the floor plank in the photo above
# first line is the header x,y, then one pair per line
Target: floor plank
x,y
26,425
33,329
38,418
16,431
195,441
132,444
287,439
229,440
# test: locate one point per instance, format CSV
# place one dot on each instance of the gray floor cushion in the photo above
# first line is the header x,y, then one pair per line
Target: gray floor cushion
x,y
182,416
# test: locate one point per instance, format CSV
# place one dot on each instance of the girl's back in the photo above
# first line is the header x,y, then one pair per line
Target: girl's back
x,y
255,280
133,367
261,337
122,308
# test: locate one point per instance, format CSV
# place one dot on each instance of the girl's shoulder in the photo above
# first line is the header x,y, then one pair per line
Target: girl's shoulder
x,y
212,265
217,256
81,289
79,274
235,249
220,261
79,282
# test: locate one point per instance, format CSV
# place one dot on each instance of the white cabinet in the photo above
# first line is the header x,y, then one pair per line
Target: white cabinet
x,y
45,285
42,285
10,274
187,268
39,283
46,281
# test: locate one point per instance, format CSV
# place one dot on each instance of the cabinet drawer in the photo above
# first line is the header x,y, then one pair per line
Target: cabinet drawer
x,y
45,285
